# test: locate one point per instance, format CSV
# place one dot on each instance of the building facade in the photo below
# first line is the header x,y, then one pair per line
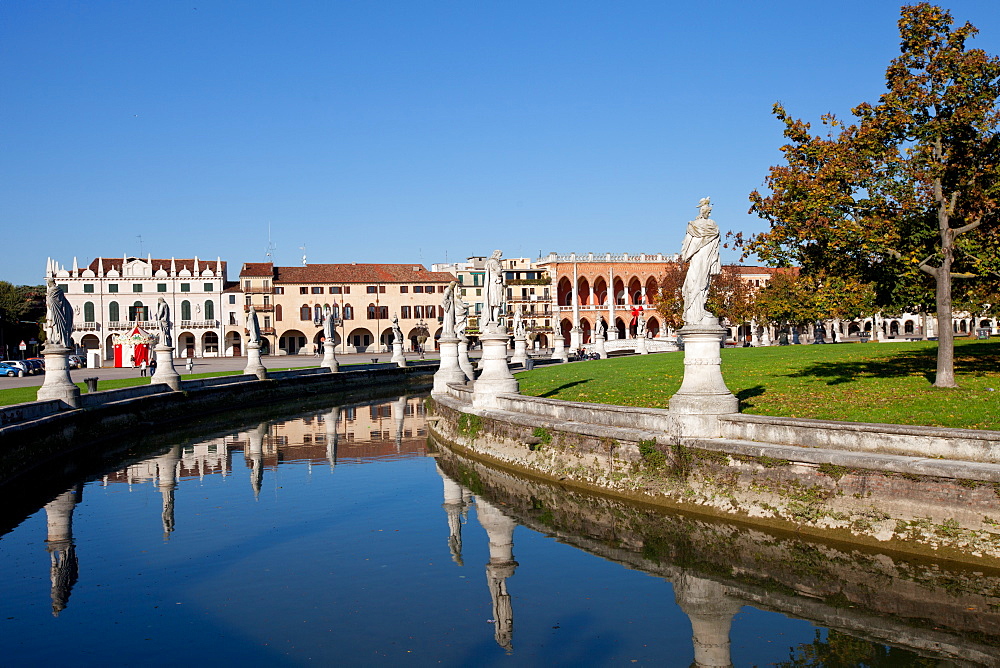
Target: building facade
x,y
292,303
112,296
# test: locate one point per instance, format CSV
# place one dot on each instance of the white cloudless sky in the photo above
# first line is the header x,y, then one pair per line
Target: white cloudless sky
x,y
409,131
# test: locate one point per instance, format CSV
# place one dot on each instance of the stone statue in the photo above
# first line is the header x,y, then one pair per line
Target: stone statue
x,y
461,316
640,327
602,328
496,291
163,319
519,328
701,251
329,328
448,311
253,327
397,333
58,317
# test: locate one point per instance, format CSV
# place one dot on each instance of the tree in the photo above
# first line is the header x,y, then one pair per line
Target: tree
x,y
668,300
791,298
907,196
730,297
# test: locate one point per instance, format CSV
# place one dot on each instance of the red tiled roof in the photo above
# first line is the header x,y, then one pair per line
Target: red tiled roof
x,y
158,263
360,273
257,269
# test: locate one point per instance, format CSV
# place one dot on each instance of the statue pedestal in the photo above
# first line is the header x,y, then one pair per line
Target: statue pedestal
x,y
165,371
463,359
520,355
397,354
575,339
711,612
495,378
330,358
640,346
559,348
599,346
703,395
57,383
254,365
449,371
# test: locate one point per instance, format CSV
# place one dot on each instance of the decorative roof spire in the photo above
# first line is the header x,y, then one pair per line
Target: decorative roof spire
x,y
100,267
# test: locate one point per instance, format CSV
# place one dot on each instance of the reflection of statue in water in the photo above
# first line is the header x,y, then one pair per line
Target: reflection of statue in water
x,y
253,327
701,251
163,318
58,317
496,293
397,333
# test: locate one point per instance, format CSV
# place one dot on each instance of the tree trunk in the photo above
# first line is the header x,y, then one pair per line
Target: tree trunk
x,y
945,376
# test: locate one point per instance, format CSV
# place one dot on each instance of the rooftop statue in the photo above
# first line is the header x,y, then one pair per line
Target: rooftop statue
x,y
701,251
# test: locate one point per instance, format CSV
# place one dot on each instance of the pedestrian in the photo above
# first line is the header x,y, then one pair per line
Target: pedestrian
x,y
152,366
131,360
142,368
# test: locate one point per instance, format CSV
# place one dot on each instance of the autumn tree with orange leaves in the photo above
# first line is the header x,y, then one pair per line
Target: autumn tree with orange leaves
x,y
907,195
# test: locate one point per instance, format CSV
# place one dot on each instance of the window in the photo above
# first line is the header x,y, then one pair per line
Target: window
x,y
138,312
112,287
347,289
211,342
88,287
88,312
336,312
137,287
232,299
318,313
404,312
248,298
381,289
277,312
161,287
371,289
383,312
371,311
317,290
418,312
185,310
461,279
479,292
267,322
418,288
209,309
185,287
208,287
246,285
348,312
113,312
334,290
279,291
429,310
430,288
303,291
403,289
64,287
305,313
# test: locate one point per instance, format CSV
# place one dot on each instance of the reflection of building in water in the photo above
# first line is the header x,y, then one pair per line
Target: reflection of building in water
x,y
64,568
500,530
711,613
456,505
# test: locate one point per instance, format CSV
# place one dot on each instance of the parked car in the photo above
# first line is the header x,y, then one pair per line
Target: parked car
x,y
36,366
77,362
8,370
40,360
20,364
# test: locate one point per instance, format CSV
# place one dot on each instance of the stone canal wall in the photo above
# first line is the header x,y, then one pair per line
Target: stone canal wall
x,y
36,433
939,495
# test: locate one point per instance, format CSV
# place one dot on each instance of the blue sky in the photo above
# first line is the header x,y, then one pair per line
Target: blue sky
x,y
411,131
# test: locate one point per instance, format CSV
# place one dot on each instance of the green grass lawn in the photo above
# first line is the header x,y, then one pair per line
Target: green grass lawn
x,y
868,382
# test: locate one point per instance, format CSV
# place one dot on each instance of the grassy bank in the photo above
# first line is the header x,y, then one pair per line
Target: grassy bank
x,y
870,382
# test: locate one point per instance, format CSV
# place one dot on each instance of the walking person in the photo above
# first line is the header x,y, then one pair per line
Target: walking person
x,y
142,368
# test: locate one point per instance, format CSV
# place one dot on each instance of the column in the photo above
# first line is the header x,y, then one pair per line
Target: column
x,y
449,370
575,334
64,568
711,613
500,530
703,394
57,383
456,505
612,329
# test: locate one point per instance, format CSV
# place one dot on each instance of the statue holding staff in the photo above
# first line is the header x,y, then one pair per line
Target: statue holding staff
x,y
701,251
58,317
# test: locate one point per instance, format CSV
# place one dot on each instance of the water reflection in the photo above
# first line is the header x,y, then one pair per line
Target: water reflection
x,y
868,600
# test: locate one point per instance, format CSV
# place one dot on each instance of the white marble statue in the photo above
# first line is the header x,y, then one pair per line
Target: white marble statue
x,y
602,327
448,311
397,333
253,327
461,316
640,327
519,328
496,291
329,329
701,251
58,317
163,319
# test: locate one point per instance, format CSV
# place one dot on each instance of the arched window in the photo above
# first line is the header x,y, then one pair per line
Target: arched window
x,y
336,311
209,310
348,312
305,313
277,312
113,312
88,312
185,310
317,313
138,312
210,342
371,311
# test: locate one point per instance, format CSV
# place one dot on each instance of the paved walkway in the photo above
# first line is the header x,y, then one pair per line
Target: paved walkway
x,y
214,364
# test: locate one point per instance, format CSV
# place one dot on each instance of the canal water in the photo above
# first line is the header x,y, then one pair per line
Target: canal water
x,y
343,536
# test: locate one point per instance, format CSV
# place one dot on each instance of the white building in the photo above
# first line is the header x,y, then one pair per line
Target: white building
x,y
113,295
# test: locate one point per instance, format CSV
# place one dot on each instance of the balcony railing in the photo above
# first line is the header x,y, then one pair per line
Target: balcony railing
x,y
86,326
199,324
265,308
